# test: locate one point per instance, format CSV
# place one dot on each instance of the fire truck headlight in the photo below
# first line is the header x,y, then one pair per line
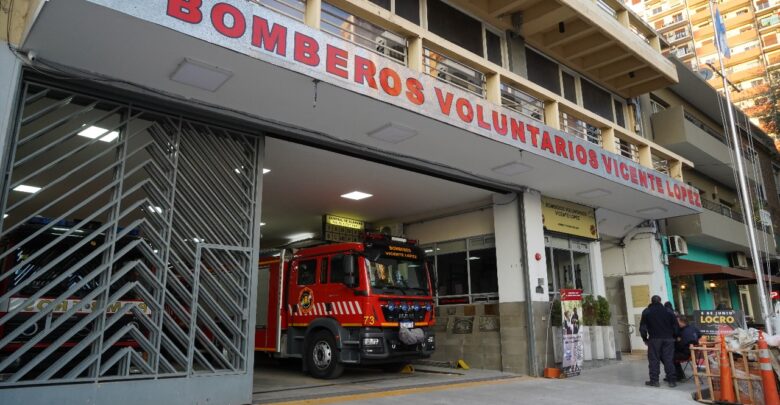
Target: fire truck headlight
x,y
371,341
404,307
430,339
415,307
390,306
428,307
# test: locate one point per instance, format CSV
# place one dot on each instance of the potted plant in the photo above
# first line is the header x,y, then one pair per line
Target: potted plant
x,y
556,322
588,324
603,319
596,335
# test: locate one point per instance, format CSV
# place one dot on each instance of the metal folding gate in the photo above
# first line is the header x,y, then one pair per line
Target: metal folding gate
x,y
128,246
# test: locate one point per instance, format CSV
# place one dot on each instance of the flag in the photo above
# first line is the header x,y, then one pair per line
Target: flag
x,y
720,35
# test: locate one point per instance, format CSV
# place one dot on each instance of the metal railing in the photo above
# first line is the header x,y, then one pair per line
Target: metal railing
x,y
627,149
704,127
362,33
660,164
722,209
522,102
453,72
580,128
294,9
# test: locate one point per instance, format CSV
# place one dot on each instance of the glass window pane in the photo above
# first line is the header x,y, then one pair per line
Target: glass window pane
x,y
337,269
324,270
543,71
595,99
569,87
385,4
408,9
552,286
482,264
493,43
563,270
455,26
306,272
620,119
582,279
451,268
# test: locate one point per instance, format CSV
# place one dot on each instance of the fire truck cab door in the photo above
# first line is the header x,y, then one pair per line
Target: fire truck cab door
x,y
304,292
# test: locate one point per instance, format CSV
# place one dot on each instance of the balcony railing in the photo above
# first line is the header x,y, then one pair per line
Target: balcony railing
x,y
722,210
294,9
522,102
704,127
661,164
363,33
453,72
626,149
579,128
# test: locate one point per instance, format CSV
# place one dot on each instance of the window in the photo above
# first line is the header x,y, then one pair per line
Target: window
x,y
493,47
620,119
407,9
657,104
337,269
597,100
568,264
307,272
324,270
543,71
466,270
569,87
455,26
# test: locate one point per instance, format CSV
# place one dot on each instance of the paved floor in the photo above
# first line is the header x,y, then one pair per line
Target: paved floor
x,y
621,383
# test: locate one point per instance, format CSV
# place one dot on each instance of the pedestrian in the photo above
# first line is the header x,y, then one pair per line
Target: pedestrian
x,y
658,328
669,306
689,335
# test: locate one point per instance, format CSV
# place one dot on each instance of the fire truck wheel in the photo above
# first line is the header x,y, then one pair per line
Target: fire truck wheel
x,y
322,357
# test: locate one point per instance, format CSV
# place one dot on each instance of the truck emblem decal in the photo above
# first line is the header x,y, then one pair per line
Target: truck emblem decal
x,y
305,299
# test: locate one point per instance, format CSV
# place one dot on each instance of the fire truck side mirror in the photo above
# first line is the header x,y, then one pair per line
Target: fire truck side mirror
x,y
349,271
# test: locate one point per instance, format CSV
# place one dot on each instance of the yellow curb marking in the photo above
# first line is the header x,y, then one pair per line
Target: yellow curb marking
x,y
407,391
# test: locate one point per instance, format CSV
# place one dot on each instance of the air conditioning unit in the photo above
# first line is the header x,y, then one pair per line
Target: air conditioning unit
x,y
677,246
738,260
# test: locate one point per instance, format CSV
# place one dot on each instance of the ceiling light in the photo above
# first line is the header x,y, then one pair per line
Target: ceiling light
x,y
155,209
27,189
357,195
197,240
5,216
266,171
201,75
512,169
98,132
392,133
262,224
474,258
595,193
713,284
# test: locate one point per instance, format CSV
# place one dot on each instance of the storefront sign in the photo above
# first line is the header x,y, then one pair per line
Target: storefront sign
x,y
254,30
717,322
573,345
341,229
569,218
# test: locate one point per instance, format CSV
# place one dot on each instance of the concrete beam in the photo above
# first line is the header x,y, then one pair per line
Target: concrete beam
x,y
573,31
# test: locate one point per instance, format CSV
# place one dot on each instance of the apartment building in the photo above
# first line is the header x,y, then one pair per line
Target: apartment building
x,y
181,140
752,31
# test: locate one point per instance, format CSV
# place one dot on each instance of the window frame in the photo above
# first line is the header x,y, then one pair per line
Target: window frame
x,y
489,242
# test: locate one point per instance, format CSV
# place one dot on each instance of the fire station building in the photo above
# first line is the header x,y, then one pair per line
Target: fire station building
x,y
144,140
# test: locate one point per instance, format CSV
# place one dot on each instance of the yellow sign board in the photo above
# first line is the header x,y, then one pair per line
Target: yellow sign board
x,y
341,229
640,295
569,218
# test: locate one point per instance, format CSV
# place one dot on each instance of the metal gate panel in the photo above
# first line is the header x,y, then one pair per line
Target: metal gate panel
x,y
128,243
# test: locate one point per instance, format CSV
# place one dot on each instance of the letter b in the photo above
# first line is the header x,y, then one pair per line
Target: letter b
x,y
186,10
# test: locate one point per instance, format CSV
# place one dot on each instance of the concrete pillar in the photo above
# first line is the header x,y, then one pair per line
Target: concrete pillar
x,y
622,17
493,87
675,169
10,82
608,139
312,13
552,114
521,268
655,42
646,156
415,54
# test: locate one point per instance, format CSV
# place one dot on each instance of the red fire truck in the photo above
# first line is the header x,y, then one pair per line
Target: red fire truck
x,y
347,303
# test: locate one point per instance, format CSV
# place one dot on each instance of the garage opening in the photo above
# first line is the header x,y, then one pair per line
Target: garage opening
x,y
314,199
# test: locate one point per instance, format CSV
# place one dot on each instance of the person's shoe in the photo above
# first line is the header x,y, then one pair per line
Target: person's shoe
x,y
681,378
652,383
672,384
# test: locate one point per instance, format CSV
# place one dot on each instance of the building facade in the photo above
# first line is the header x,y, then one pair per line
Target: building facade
x,y
149,145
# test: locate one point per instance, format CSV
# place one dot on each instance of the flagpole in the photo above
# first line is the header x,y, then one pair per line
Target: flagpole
x,y
747,206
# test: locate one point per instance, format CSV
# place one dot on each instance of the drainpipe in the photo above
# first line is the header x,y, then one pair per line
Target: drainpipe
x,y
533,363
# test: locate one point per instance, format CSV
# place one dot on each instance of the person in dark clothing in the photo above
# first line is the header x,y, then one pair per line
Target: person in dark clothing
x,y
658,328
689,335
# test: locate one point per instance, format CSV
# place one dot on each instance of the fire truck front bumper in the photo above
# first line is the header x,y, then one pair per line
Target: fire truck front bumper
x,y
384,345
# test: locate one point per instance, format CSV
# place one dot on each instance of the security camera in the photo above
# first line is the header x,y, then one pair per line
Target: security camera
x,y
32,55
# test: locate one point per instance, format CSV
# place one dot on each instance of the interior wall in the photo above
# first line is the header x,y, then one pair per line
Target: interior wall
x,y
461,226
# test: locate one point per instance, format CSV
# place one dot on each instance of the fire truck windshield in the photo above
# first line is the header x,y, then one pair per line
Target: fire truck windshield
x,y
396,271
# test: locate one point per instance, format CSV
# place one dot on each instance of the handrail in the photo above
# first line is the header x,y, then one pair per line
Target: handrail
x,y
522,102
294,9
362,33
580,128
453,72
